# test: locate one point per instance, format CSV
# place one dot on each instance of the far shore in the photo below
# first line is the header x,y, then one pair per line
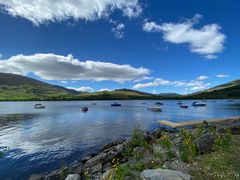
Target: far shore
x,y
147,99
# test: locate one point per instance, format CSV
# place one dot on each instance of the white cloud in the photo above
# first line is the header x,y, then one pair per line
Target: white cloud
x,y
82,89
156,82
118,31
42,11
64,82
200,78
193,85
210,56
57,67
152,27
206,41
104,89
222,76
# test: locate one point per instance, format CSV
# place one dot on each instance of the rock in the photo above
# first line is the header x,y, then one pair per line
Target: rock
x,y
235,129
115,152
148,137
73,177
124,159
158,150
77,168
96,169
164,174
107,175
177,165
100,158
107,146
97,176
204,143
107,166
36,177
139,150
85,159
58,174
157,133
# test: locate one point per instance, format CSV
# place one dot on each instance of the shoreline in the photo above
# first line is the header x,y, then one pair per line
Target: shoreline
x,y
116,99
97,166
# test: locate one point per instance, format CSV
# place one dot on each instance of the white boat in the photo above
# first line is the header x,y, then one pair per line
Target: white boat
x,y
198,104
39,106
155,109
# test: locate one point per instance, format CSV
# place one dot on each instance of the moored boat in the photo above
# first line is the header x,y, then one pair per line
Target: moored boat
x,y
198,104
39,106
116,104
84,109
183,106
158,104
154,109
179,103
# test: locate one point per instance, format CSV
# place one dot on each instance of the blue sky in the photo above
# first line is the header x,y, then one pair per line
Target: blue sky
x,y
153,46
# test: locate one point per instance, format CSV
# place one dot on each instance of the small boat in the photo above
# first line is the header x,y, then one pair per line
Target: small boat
x,y
143,103
158,103
39,106
94,104
183,106
84,109
116,104
155,109
198,104
231,100
179,103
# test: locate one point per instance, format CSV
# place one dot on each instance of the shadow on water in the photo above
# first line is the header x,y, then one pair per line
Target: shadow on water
x,y
7,119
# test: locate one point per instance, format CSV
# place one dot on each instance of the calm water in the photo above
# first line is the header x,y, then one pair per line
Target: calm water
x,y
36,141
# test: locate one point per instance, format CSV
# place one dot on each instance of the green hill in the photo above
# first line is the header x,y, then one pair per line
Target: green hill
x,y
229,90
17,87
120,94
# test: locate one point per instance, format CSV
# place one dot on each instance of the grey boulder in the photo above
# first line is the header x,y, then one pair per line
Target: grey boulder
x,y
164,174
73,177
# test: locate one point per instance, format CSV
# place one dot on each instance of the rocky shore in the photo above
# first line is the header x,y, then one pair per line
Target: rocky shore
x,y
161,154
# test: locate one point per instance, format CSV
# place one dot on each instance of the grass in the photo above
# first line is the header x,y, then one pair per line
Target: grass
x,y
223,164
121,172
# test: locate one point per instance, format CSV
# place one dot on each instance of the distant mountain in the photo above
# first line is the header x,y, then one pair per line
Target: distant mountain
x,y
119,94
229,90
17,87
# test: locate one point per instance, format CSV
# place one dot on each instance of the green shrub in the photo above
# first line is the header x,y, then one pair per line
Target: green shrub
x,y
188,149
165,142
140,166
223,140
137,139
121,172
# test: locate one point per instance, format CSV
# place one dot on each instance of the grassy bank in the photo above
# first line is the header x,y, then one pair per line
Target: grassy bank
x,y
179,151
